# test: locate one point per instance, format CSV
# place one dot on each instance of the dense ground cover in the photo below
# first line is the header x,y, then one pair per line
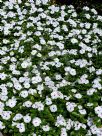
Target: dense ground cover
x,y
50,69
78,4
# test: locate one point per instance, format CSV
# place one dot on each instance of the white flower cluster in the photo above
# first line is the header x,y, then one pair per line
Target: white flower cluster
x,y
50,69
98,111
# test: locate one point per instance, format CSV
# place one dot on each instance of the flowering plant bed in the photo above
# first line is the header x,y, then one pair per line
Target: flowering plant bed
x,y
50,70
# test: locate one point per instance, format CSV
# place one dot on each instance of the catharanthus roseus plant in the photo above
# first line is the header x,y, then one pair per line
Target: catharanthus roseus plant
x,y
50,69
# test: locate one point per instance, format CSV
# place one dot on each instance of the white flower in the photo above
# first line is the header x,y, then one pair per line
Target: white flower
x,y
58,77
82,111
74,14
18,116
64,27
4,91
73,40
72,72
69,125
36,122
2,105
5,41
52,53
62,7
42,41
53,108
82,51
24,64
17,86
19,1
77,125
11,102
89,104
48,101
21,127
38,47
12,67
13,59
87,25
34,134
94,129
26,85
36,79
32,91
86,8
64,133
3,97
89,121
99,72
60,121
89,55
83,79
64,52
91,91
38,105
94,11
37,33
70,106
84,31
98,111
24,94
87,16
78,95
6,115
91,69
46,128
27,104
89,133
60,45
27,119
58,64
80,107
73,90
72,22
33,52
3,76
67,69
54,95
40,87
21,79
83,126
2,126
